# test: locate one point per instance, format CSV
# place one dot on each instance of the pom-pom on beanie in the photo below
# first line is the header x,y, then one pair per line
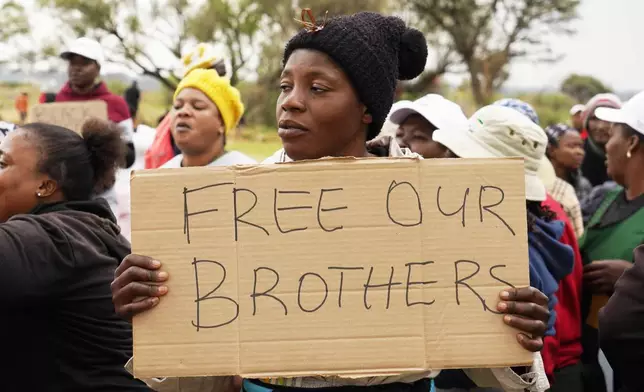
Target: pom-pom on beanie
x,y
375,51
219,91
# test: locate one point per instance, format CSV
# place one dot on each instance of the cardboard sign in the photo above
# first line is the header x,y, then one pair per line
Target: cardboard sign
x,y
70,115
335,267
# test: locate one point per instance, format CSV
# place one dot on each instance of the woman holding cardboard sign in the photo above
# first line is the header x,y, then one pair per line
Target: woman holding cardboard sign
x,y
59,248
337,87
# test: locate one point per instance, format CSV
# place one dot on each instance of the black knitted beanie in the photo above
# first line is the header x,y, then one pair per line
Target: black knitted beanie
x,y
375,51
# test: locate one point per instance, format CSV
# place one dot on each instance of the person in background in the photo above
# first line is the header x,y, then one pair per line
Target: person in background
x,y
621,326
594,165
418,120
59,248
85,58
331,103
562,352
133,97
206,107
22,106
615,230
496,132
577,118
566,153
164,148
559,189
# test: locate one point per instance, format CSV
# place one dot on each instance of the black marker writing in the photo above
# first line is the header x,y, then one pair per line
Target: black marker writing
x,y
210,295
266,293
461,282
275,209
461,210
368,285
186,211
489,207
410,283
393,187
238,218
299,292
497,278
320,209
342,269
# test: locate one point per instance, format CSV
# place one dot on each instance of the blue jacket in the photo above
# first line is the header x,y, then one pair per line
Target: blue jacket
x,y
550,261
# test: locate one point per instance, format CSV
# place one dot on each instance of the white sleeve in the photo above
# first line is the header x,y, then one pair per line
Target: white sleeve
x,y
5,128
506,379
128,130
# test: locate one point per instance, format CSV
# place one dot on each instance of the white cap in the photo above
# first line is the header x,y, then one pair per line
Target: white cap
x,y
579,108
441,112
631,114
87,48
498,132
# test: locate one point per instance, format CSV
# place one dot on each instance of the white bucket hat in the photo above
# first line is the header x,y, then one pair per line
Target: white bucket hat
x,y
631,114
499,132
441,112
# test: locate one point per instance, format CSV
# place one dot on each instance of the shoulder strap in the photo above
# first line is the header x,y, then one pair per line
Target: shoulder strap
x,y
608,200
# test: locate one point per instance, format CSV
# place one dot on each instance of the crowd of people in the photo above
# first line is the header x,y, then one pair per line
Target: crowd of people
x,y
72,285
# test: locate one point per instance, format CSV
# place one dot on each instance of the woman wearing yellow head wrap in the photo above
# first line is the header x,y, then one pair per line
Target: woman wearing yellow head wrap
x,y
163,148
205,108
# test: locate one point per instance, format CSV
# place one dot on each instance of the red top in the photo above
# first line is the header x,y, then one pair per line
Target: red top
x,y
567,349
117,109
161,150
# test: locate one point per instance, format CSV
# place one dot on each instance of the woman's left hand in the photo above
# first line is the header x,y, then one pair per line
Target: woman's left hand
x,y
601,276
526,309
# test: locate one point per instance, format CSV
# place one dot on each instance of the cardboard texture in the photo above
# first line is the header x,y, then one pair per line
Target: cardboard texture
x,y
70,115
345,267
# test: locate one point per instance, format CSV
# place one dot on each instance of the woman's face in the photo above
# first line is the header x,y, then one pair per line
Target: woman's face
x,y
599,130
570,151
197,127
617,148
416,133
20,180
318,111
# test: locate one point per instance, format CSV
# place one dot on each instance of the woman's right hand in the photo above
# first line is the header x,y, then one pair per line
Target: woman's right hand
x,y
137,285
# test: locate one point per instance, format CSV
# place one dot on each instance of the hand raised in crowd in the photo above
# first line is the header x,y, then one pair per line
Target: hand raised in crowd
x,y
526,309
600,276
137,285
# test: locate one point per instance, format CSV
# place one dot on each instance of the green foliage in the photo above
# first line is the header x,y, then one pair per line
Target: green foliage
x,y
583,87
13,20
487,35
552,108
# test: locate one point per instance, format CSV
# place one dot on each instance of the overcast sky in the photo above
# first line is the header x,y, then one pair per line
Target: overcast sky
x,y
606,45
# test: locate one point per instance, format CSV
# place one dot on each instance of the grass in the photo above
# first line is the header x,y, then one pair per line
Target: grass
x,y
254,149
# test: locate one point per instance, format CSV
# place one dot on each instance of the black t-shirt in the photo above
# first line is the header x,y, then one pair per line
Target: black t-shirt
x,y
59,329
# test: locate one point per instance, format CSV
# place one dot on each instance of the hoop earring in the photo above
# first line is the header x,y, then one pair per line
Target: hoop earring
x,y
628,154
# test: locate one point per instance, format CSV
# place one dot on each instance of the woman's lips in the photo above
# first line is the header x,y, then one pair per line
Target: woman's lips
x,y
288,133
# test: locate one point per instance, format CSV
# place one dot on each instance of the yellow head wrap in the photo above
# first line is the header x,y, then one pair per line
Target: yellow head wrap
x,y
219,91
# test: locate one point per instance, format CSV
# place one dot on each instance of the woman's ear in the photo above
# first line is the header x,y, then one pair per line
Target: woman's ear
x,y
550,150
366,117
47,188
633,144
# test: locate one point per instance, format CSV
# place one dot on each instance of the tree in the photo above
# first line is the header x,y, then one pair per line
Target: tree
x,y
238,24
132,28
583,87
487,35
13,20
